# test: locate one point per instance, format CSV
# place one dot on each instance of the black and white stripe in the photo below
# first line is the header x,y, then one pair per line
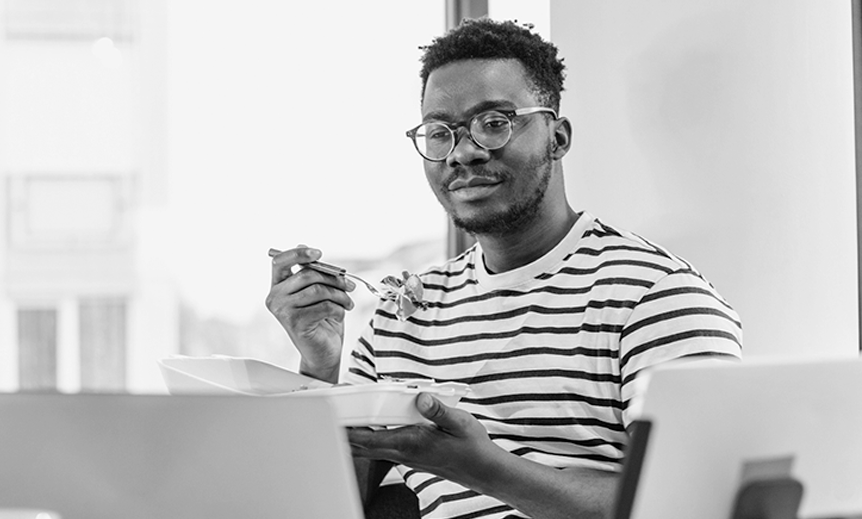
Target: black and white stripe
x,y
550,351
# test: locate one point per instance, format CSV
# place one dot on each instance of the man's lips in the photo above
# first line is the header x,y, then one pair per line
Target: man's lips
x,y
461,183
473,189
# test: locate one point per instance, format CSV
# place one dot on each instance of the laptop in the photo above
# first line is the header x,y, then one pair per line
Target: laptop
x,y
791,428
105,456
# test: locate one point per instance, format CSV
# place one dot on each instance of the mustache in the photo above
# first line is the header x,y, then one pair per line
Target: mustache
x,y
481,171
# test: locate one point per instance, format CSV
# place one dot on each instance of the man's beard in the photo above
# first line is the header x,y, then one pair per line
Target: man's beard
x,y
516,216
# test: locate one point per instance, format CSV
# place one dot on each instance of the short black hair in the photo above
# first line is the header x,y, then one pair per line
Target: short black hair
x,y
484,38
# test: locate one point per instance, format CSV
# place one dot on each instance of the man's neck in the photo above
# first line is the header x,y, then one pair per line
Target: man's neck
x,y
504,253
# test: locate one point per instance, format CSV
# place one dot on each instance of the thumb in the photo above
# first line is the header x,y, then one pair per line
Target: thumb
x,y
434,410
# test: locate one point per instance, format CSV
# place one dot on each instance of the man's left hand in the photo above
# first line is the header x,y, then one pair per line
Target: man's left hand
x,y
454,446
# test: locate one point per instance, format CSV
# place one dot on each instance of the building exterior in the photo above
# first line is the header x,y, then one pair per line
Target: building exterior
x,y
81,156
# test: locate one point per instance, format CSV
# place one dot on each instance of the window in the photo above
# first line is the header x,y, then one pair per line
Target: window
x,y
153,151
37,349
68,19
103,344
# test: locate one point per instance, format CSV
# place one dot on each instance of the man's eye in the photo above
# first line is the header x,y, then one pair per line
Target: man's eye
x,y
438,133
493,123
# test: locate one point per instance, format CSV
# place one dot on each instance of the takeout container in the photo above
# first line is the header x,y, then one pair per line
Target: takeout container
x,y
220,374
385,403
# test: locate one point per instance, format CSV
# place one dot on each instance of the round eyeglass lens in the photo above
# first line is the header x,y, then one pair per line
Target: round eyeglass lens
x,y
434,140
491,130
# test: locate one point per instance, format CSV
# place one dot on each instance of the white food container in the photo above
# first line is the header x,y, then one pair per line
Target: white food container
x,y
220,374
386,403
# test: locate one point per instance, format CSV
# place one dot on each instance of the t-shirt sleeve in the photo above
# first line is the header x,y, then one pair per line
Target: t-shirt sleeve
x,y
680,317
361,367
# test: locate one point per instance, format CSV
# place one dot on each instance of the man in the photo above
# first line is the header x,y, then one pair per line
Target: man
x,y
549,318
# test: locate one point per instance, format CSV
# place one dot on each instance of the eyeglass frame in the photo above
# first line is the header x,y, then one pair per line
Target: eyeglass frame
x,y
453,129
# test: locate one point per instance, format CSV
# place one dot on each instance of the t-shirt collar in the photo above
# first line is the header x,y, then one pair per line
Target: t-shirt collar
x,y
528,272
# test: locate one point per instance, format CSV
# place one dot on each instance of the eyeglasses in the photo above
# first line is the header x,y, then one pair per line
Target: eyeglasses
x,y
489,130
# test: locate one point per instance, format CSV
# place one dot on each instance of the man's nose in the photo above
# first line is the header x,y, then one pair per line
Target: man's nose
x,y
466,150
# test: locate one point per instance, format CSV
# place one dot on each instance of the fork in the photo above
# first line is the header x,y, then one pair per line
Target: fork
x,y
332,270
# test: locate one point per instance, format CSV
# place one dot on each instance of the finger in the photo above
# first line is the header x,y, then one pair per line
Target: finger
x,y
287,311
310,276
368,443
321,290
323,311
436,411
360,438
275,252
308,288
284,261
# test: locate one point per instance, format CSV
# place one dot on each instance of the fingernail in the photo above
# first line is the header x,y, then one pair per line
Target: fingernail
x,y
424,402
350,285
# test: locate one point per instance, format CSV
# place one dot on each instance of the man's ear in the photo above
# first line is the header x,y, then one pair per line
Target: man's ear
x,y
562,138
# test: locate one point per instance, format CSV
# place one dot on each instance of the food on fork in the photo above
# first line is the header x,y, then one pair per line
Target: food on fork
x,y
407,293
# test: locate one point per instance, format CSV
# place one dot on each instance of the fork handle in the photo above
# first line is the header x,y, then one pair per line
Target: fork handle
x,y
332,270
326,268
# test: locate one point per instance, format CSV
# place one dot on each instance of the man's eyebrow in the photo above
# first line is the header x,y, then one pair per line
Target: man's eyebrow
x,y
438,115
491,104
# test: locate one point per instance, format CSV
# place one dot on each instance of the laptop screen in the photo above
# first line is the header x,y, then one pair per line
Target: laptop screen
x,y
634,457
142,457
717,428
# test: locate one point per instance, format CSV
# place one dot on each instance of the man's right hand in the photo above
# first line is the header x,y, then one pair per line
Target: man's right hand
x,y
310,306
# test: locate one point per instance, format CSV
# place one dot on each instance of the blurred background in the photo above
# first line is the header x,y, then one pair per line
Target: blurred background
x,y
152,151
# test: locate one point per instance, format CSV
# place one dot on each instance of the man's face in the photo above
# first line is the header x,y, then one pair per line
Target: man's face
x,y
489,192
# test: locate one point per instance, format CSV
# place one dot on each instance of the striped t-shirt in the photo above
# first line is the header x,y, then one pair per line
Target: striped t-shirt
x,y
549,350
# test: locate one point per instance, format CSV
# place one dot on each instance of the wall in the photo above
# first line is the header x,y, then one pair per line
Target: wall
x,y
724,131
